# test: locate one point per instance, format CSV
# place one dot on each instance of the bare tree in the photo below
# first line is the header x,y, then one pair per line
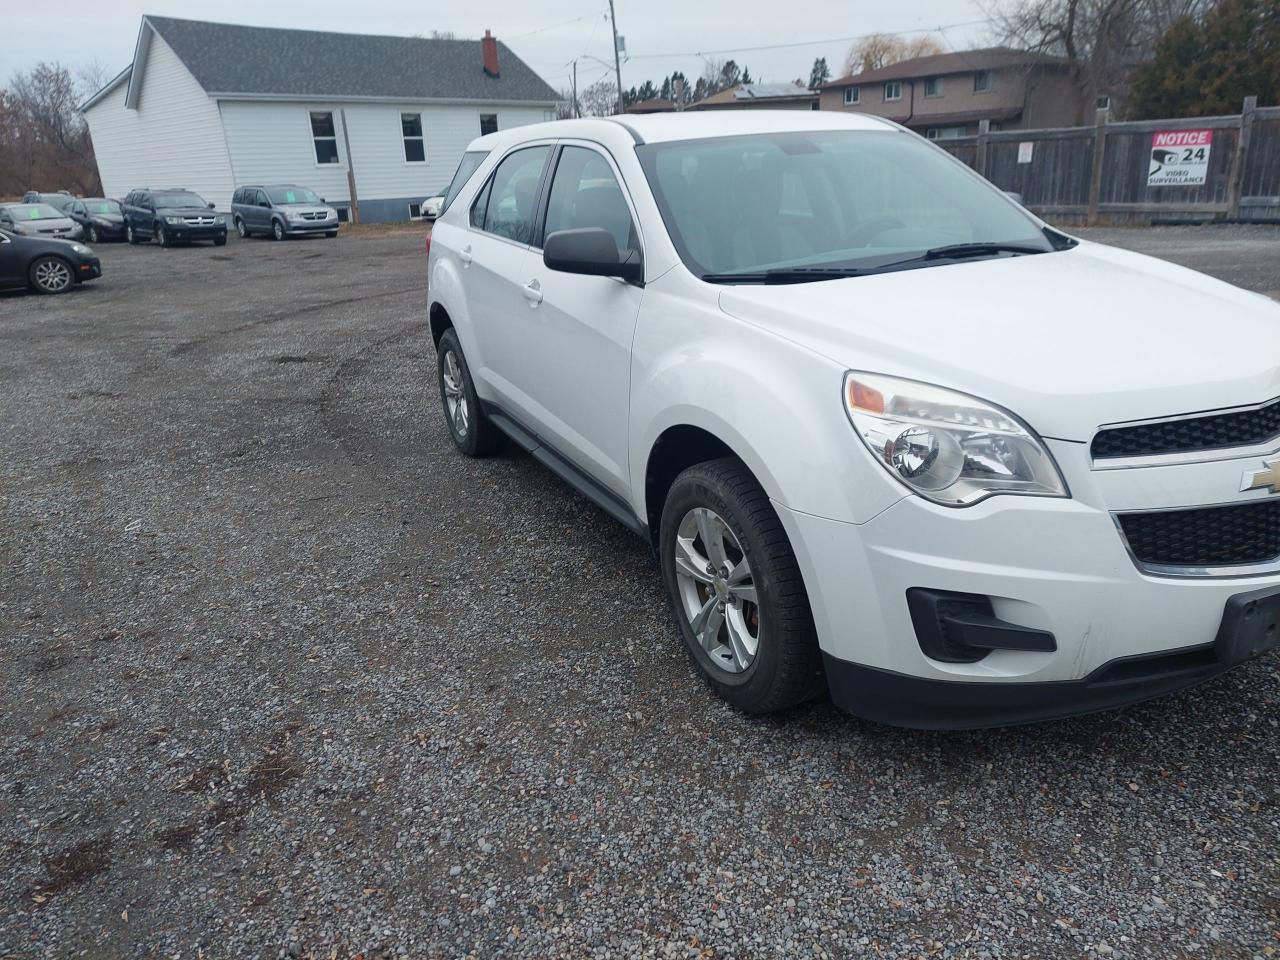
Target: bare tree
x,y
47,140
882,49
1105,39
600,99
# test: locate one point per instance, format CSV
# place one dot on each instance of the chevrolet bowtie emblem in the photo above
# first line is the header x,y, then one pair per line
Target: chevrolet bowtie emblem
x,y
1268,477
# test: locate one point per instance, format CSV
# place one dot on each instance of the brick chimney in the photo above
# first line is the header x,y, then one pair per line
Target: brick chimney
x,y
489,49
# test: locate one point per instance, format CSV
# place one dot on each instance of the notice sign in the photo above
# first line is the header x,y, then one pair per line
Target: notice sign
x,y
1025,150
1179,158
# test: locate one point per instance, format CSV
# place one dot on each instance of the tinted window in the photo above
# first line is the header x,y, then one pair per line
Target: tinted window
x,y
513,194
469,164
585,193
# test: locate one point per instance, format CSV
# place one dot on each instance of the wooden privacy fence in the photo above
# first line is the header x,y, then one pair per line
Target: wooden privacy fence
x,y
1101,172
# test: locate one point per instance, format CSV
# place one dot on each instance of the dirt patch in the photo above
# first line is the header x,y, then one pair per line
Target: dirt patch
x,y
73,866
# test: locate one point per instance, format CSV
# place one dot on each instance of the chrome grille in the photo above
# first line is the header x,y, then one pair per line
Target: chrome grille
x,y
199,221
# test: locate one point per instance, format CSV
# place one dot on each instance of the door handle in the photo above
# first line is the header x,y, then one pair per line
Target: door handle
x,y
532,292
465,255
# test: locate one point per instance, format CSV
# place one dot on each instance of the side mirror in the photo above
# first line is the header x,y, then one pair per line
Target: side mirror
x,y
213,206
591,251
323,200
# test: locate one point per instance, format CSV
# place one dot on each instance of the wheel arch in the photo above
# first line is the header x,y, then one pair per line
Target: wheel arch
x,y
440,321
680,446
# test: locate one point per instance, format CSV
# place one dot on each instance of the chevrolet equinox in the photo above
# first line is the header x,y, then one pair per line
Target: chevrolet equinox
x,y
888,432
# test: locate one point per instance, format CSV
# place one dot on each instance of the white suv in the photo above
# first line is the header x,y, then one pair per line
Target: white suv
x,y
887,431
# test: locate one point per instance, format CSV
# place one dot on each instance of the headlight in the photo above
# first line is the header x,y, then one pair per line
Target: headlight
x,y
948,447
172,219
80,248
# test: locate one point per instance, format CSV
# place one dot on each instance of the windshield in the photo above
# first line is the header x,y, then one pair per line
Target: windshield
x,y
34,211
841,199
58,201
167,201
292,195
102,206
470,163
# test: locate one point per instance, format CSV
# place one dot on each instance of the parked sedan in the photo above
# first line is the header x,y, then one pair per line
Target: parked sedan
x,y
39,220
101,218
432,207
45,266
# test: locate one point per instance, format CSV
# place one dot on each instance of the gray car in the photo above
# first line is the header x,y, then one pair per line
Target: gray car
x,y
281,210
39,220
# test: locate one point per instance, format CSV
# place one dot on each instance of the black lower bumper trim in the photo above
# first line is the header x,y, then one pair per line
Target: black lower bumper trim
x,y
927,704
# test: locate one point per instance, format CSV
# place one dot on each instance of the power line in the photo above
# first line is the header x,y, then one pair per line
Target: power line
x,y
809,43
555,26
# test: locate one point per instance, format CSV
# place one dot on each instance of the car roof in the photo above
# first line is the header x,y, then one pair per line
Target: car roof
x,y
687,125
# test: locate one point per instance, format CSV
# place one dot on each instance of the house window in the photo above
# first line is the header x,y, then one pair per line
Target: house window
x,y
415,210
946,133
325,136
488,123
411,129
851,96
344,214
893,90
933,87
1103,102
982,81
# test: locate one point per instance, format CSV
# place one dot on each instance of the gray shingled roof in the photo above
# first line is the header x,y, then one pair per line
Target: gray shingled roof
x,y
266,61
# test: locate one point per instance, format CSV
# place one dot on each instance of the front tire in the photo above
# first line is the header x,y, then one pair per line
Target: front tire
x,y
130,235
472,431
241,229
162,235
331,234
736,590
277,229
50,275
93,234
219,241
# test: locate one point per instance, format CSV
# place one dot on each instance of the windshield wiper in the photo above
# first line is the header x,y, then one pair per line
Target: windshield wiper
x,y
787,275
955,251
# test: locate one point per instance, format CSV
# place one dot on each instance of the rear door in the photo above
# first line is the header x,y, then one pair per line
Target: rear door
x,y
496,263
575,344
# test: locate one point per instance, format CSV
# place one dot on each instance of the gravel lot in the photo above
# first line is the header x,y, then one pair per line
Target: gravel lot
x,y
284,676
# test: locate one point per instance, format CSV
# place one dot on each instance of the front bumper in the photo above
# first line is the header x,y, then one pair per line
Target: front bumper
x,y
1053,565
310,226
186,233
88,269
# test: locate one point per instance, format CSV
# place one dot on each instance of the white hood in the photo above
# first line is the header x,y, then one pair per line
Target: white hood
x,y
1068,341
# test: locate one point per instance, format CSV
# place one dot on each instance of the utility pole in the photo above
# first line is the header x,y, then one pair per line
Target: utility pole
x,y
577,111
617,63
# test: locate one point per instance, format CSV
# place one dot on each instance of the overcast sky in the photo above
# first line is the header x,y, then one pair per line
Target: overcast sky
x,y
546,34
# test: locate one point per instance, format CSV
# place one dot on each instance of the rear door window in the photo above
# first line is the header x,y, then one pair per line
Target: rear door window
x,y
470,162
512,195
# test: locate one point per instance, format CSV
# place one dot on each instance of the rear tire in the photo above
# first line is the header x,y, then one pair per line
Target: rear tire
x,y
472,431
50,275
729,568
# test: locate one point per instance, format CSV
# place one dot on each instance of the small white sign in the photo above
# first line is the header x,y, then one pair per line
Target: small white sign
x,y
1025,149
1179,158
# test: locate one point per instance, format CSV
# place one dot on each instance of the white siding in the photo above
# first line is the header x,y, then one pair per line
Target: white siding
x,y
173,139
271,142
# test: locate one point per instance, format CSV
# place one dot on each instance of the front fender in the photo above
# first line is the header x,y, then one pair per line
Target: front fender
x,y
775,404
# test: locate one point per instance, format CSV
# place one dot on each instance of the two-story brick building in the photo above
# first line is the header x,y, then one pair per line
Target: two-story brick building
x,y
948,94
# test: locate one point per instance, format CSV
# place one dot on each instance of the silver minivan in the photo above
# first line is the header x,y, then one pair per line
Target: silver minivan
x,y
281,211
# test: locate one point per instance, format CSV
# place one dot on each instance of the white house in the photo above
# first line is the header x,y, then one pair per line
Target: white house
x,y
210,106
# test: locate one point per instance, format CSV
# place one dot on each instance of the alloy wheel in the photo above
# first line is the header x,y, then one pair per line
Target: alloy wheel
x,y
52,275
277,230
717,590
455,394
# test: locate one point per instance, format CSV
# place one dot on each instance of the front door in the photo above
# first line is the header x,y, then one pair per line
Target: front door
x,y
496,263
576,342
10,262
261,211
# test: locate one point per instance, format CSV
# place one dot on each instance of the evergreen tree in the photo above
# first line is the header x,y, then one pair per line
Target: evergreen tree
x,y
820,73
